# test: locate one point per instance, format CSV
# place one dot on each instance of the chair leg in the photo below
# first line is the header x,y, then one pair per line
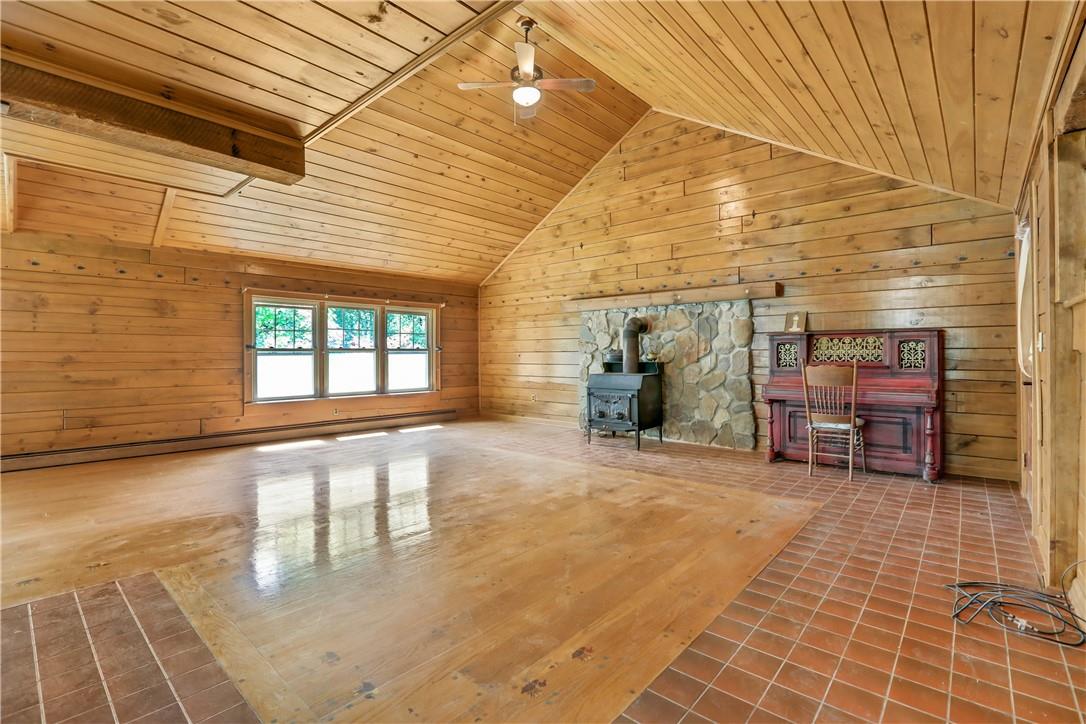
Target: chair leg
x,y
851,456
810,452
863,450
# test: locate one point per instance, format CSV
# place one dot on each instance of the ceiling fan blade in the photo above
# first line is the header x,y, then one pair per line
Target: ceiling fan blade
x,y
584,85
495,84
526,60
524,112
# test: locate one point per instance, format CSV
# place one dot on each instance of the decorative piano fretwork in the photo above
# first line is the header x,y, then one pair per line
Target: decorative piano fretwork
x,y
847,348
900,379
912,354
787,355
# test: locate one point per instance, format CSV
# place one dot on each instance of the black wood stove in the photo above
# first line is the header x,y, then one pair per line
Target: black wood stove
x,y
627,396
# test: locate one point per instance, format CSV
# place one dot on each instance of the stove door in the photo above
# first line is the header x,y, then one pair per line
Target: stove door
x,y
610,407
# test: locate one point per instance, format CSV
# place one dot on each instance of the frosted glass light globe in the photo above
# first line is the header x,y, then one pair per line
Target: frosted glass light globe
x,y
526,95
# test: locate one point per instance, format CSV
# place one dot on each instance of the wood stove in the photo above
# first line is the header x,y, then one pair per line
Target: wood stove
x,y
625,401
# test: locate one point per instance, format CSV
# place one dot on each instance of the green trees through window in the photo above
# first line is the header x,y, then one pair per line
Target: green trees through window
x,y
307,349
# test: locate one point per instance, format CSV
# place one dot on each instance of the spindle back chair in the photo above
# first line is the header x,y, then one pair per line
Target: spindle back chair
x,y
829,395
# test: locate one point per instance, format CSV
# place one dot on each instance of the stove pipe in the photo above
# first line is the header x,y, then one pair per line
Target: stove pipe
x,y
631,344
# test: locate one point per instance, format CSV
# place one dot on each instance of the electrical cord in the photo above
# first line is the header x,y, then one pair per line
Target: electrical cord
x,y
1009,605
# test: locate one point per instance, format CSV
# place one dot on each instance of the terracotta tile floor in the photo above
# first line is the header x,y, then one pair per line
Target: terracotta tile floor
x,y
118,652
851,621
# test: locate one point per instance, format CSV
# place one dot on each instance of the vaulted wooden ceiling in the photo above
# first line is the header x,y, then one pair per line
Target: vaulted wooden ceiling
x,y
426,179
944,93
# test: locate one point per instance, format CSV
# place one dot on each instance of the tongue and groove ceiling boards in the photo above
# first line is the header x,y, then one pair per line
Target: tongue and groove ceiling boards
x,y
426,179
942,93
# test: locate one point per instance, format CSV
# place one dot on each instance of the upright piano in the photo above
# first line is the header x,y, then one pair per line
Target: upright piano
x,y
899,394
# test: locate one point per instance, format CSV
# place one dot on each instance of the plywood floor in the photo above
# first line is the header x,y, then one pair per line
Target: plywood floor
x,y
429,575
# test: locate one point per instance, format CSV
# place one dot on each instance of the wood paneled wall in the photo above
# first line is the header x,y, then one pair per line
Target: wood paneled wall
x,y
107,343
677,204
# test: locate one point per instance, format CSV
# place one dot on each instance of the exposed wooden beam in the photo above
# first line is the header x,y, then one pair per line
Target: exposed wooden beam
x,y
758,290
46,99
164,216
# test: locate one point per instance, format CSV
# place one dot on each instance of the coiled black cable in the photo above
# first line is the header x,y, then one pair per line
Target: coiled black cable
x,y
1008,605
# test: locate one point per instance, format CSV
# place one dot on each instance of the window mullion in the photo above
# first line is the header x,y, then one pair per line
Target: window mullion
x,y
320,345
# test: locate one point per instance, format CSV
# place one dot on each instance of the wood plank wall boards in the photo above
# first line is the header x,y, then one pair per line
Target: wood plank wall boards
x,y
113,341
428,179
943,93
678,205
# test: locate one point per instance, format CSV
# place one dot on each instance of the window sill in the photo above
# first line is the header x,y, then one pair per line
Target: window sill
x,y
344,398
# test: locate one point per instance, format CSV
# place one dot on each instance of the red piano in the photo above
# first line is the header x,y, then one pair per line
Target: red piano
x,y
899,395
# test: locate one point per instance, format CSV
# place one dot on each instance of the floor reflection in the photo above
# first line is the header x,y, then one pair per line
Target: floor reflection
x,y
320,521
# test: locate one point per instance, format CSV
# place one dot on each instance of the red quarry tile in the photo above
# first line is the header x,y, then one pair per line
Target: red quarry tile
x,y
803,681
134,680
857,702
756,662
1036,710
66,683
717,706
188,660
1056,691
730,629
897,713
714,646
671,684
240,714
863,677
649,707
75,702
741,684
919,697
761,716
816,660
789,705
921,672
173,714
219,698
693,664
980,692
143,702
968,712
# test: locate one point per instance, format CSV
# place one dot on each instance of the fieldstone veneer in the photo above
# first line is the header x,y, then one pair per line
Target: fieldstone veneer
x,y
705,351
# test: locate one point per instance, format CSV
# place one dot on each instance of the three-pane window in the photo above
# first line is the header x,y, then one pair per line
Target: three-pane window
x,y
305,349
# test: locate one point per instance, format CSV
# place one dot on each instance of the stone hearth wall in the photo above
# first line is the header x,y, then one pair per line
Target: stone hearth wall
x,y
705,351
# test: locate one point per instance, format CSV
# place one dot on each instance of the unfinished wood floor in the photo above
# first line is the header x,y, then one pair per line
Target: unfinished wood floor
x,y
430,575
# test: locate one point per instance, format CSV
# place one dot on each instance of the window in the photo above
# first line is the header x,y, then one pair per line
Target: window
x,y
408,349
352,350
285,355
315,348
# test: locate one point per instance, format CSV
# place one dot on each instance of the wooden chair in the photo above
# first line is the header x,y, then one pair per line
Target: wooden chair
x,y
829,394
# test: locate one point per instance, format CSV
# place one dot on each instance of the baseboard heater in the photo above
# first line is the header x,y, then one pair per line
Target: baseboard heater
x,y
52,458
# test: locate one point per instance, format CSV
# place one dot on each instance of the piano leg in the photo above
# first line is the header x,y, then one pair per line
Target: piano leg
x,y
931,473
771,449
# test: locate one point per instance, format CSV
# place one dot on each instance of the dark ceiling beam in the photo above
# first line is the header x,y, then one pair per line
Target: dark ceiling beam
x,y
38,97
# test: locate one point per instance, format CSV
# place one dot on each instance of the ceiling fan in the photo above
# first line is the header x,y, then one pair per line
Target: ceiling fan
x,y
527,81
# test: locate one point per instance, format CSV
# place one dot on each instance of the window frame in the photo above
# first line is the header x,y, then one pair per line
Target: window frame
x,y
321,350
254,351
431,318
326,354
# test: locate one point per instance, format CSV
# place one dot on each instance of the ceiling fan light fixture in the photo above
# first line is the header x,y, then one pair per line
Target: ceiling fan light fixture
x,y
526,95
